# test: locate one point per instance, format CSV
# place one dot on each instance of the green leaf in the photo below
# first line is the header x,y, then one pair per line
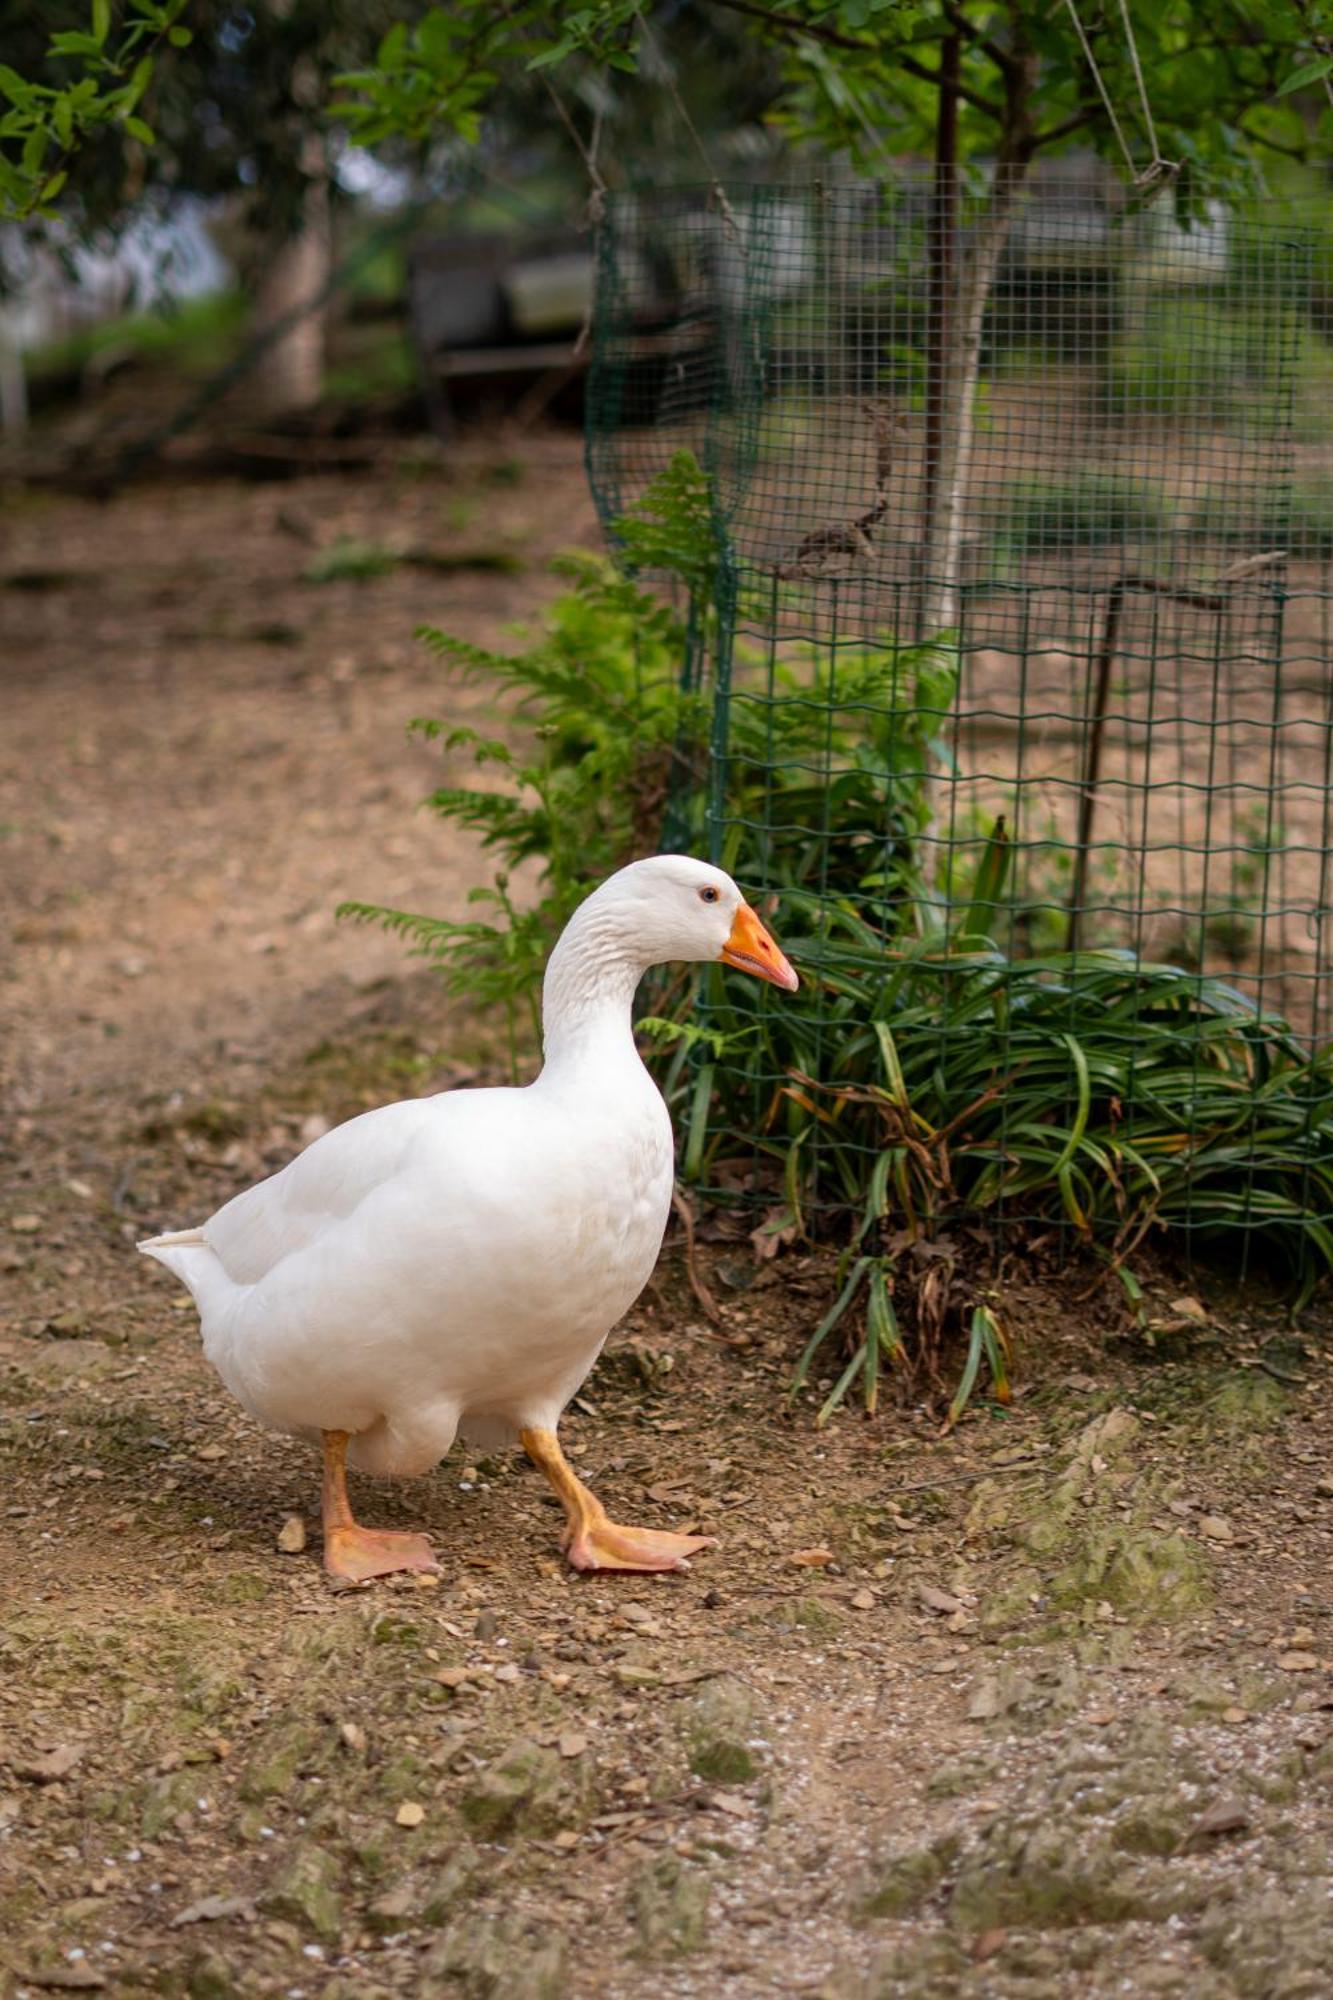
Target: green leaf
x,y
1310,72
138,130
101,21
556,53
73,43
179,38
16,88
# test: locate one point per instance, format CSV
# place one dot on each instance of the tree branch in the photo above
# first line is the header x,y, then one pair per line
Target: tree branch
x,y
932,76
786,24
1003,58
793,29
1077,123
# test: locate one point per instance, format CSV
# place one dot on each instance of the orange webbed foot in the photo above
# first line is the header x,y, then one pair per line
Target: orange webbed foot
x,y
355,1555
605,1545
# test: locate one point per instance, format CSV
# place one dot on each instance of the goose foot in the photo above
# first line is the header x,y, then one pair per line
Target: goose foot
x,y
603,1545
354,1555
592,1541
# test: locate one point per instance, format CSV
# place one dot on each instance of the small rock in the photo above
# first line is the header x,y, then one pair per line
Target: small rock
x,y
306,1892
1217,1528
863,1600
903,1879
211,1978
353,1735
1324,1485
523,1790
213,1909
571,1744
292,1536
75,1976
409,1813
53,1765
1298,1663
508,1673
720,1727
211,1452
497,1957
986,1702
939,1601
670,1905
630,1675
812,1558
25,1225
277,1759
452,1678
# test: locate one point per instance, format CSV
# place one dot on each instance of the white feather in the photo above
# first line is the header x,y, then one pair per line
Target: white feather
x,y
460,1259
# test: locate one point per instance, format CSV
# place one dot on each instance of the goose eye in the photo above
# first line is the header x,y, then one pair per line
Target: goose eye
x,y
708,895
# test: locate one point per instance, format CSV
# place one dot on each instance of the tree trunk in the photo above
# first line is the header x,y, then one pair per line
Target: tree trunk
x,y
958,317
290,374
959,367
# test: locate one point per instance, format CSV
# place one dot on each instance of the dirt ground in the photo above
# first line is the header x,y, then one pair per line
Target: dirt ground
x,y
1038,1709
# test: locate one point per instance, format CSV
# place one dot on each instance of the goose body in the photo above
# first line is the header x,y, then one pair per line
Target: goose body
x,y
457,1262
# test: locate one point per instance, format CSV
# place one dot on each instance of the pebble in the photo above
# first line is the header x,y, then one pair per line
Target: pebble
x,y
410,1813
292,1536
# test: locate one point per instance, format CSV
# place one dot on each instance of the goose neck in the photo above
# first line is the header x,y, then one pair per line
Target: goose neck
x,y
588,991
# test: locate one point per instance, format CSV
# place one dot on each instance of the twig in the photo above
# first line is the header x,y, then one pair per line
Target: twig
x,y
697,1285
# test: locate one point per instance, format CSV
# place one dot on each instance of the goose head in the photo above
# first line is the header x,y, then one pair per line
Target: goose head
x,y
672,908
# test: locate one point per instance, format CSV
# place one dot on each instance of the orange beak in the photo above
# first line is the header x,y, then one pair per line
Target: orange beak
x,y
751,949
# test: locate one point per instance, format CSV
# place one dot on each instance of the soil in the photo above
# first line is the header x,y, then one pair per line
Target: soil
x,y
1040,1708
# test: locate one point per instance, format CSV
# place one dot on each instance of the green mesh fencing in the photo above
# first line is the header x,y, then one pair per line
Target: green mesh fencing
x,y
1102,646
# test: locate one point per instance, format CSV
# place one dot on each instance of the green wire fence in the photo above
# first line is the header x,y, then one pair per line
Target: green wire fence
x,y
1016,639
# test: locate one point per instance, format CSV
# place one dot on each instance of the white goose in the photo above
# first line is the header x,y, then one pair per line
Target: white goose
x,y
456,1262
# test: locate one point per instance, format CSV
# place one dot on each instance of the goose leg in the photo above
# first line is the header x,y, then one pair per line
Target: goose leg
x,y
592,1540
353,1554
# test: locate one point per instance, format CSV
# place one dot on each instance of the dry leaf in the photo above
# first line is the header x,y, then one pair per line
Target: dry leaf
x,y
727,1802
1225,1816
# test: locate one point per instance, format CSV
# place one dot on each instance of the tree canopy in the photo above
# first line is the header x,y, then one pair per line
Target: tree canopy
x,y
101,99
